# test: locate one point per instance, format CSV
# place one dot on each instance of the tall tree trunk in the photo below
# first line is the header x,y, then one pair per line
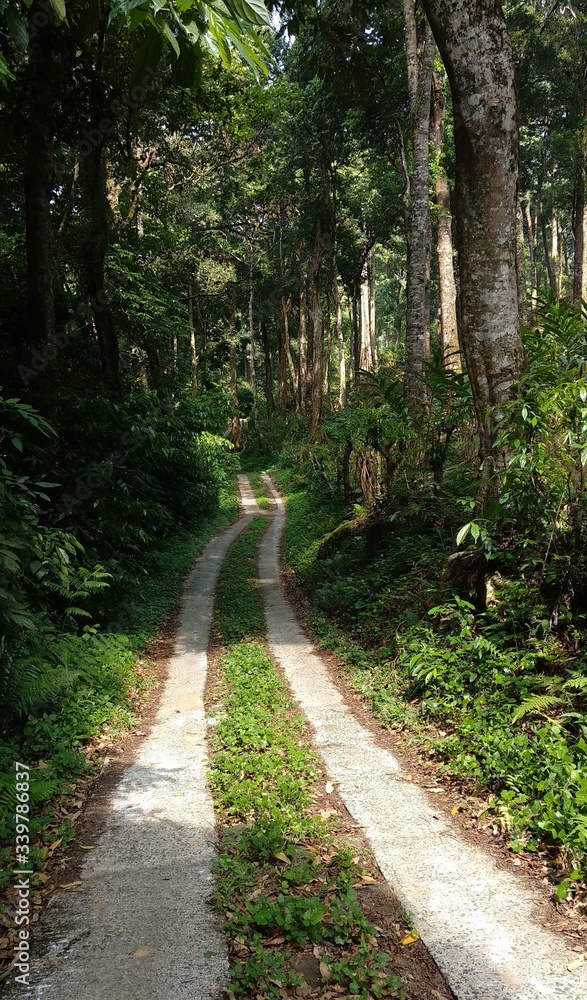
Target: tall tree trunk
x,y
531,238
521,267
554,253
355,312
303,343
93,173
327,350
38,176
268,367
316,331
419,54
473,41
372,318
252,349
339,341
282,332
580,225
546,246
447,289
286,310
365,356
194,360
235,423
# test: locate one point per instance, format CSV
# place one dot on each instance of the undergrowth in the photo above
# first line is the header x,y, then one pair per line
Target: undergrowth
x,y
75,685
285,882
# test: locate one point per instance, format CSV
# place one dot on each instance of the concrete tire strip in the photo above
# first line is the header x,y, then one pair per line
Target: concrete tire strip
x,y
476,921
139,926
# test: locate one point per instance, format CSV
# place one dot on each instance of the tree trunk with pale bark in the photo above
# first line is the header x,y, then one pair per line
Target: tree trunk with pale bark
x,y
580,225
419,54
447,289
474,44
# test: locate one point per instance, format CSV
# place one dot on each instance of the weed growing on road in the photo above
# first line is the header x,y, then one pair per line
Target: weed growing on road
x,y
285,884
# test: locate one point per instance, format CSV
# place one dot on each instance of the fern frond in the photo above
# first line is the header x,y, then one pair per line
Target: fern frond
x,y
575,684
537,704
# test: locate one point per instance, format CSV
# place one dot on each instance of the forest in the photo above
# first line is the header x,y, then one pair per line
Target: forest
x,y
343,242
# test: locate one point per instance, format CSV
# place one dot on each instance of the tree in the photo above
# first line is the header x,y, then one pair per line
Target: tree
x,y
473,41
419,55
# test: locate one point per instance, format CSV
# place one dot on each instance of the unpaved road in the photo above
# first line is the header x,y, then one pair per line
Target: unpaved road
x,y
139,926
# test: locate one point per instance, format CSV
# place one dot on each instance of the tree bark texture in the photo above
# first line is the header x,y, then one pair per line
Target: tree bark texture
x,y
447,289
580,225
474,44
303,343
38,177
419,54
235,423
93,174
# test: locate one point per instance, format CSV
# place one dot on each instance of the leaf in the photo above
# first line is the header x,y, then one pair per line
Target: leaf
x,y
186,71
17,28
147,56
329,788
70,885
280,856
576,964
409,938
254,11
169,37
87,847
59,9
463,533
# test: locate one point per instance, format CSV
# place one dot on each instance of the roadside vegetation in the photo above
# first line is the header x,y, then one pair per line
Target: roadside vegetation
x,y
88,582
286,880
463,628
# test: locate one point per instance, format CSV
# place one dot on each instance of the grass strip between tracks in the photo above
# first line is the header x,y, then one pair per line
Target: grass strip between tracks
x,y
285,880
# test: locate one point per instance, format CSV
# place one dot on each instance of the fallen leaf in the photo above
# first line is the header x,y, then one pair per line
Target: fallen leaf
x,y
87,847
141,953
280,856
573,966
409,938
328,788
70,885
325,971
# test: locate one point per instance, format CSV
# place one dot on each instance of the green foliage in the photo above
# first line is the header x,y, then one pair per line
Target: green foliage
x,y
495,694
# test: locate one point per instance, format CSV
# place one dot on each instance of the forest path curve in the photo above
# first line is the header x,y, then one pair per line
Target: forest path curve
x,y
139,925
476,921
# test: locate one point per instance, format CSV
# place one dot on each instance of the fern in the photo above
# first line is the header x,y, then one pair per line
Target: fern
x,y
578,683
537,704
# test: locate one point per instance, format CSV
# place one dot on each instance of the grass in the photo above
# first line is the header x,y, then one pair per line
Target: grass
x,y
108,674
285,881
452,678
